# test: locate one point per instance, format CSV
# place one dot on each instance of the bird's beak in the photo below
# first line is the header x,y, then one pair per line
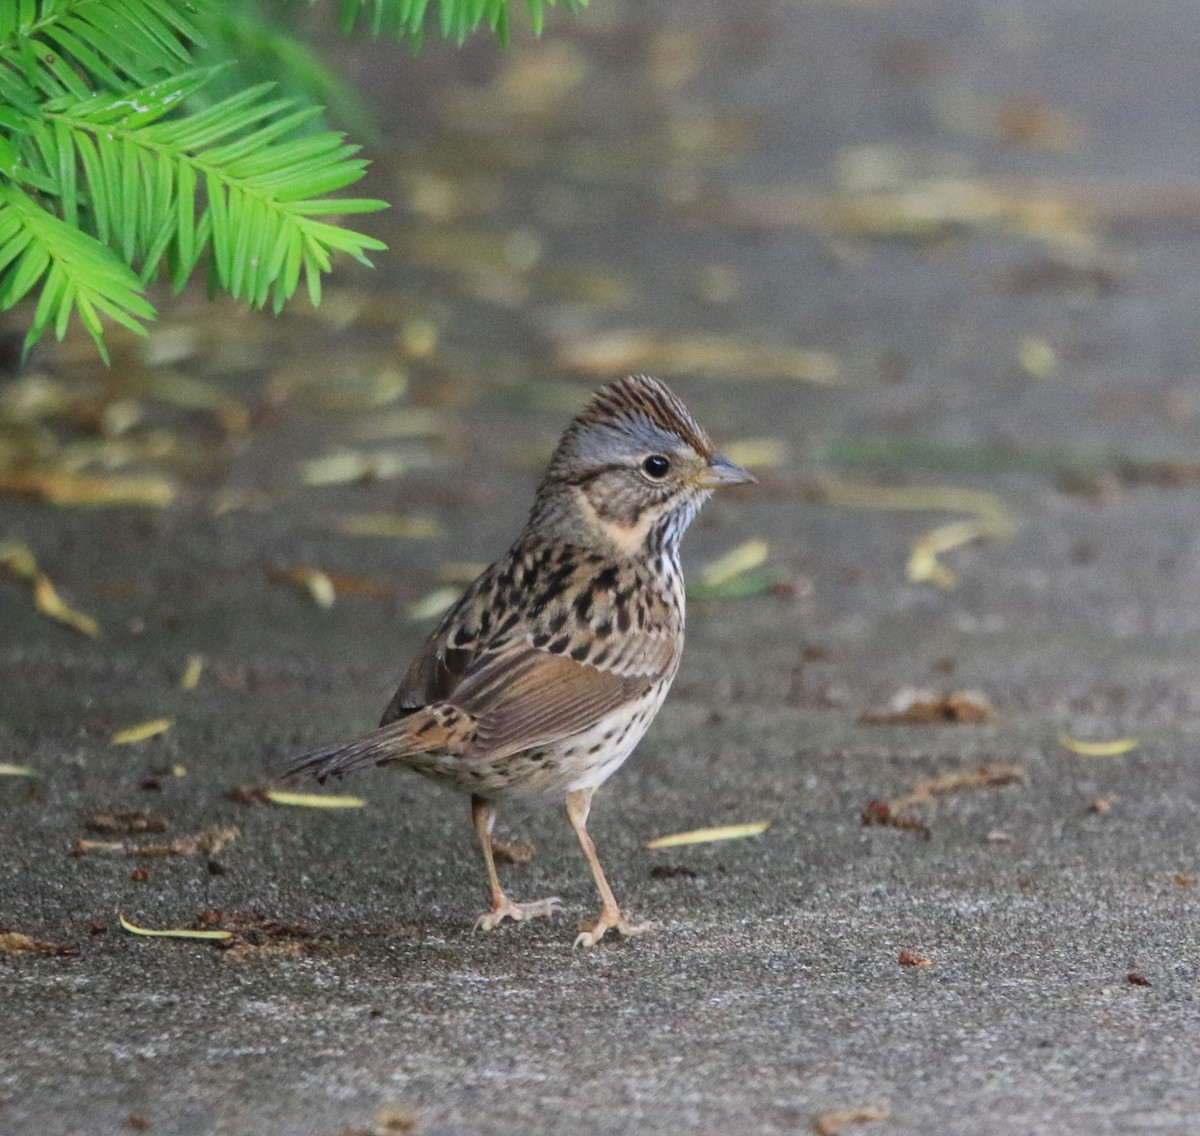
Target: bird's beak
x,y
721,471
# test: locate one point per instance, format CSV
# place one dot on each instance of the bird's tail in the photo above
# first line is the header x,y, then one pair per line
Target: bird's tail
x,y
404,739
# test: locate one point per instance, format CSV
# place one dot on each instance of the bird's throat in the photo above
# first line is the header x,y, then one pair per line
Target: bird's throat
x,y
626,537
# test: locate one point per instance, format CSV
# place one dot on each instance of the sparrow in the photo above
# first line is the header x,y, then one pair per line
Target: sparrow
x,y
546,673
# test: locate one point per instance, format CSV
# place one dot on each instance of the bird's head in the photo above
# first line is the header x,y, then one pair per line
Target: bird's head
x,y
632,469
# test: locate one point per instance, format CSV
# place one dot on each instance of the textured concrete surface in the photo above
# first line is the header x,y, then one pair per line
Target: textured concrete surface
x,y
633,151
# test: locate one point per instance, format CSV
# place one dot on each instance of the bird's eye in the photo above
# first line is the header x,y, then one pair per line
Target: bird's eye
x,y
656,466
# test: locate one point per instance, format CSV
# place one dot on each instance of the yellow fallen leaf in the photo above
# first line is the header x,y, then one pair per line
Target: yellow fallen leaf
x,y
923,565
709,835
990,520
79,489
756,453
9,770
48,602
142,732
734,563
314,800
19,561
404,422
1037,357
1097,749
725,356
190,679
434,603
174,932
320,587
403,526
348,466
318,584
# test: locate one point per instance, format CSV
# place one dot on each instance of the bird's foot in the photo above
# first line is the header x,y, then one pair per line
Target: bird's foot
x,y
518,912
591,933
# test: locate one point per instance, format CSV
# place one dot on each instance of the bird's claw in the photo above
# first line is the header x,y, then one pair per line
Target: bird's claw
x,y
591,933
517,912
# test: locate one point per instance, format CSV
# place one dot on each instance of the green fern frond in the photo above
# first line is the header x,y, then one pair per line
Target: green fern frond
x,y
456,19
77,273
56,48
121,159
141,172
99,139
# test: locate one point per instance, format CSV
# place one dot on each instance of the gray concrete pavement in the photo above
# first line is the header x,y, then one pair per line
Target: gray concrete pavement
x,y
679,177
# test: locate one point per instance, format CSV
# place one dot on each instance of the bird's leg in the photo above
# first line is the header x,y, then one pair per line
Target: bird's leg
x,y
483,814
579,804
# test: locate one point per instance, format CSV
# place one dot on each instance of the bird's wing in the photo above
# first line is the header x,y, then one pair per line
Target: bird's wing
x,y
528,697
602,638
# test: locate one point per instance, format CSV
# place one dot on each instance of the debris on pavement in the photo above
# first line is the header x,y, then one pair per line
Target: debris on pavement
x,y
898,812
143,731
313,800
15,942
20,562
125,823
1114,748
174,932
832,1122
210,842
710,835
916,706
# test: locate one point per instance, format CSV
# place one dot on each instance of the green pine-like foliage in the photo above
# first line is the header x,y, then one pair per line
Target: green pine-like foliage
x,y
119,166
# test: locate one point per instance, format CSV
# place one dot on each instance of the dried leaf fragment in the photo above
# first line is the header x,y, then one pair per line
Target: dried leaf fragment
x,y
734,563
723,356
314,800
174,932
898,813
756,453
20,562
512,852
193,669
349,466
434,603
324,587
990,519
398,526
1037,357
923,564
47,601
125,823
78,489
131,735
1114,748
248,794
210,842
393,1120
916,706
710,835
311,580
831,1123
14,942
7,769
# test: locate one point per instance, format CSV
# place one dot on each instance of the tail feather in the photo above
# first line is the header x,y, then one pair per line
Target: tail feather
x,y
396,741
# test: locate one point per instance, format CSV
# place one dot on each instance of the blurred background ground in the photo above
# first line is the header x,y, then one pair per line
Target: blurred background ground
x,y
924,264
